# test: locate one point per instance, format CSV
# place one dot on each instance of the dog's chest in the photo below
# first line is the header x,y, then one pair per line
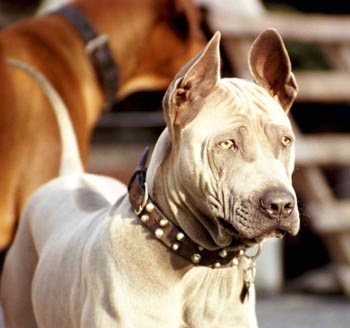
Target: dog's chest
x,y
154,294
205,298
211,298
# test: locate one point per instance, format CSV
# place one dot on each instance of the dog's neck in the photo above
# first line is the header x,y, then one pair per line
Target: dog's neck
x,y
168,233
133,28
98,49
122,43
162,187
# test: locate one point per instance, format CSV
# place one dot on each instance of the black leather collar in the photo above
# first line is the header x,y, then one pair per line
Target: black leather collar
x,y
96,46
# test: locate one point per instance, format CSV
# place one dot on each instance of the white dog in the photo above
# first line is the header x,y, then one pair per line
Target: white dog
x,y
170,252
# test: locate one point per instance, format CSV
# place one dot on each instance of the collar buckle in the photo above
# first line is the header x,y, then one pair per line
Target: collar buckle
x,y
143,204
96,43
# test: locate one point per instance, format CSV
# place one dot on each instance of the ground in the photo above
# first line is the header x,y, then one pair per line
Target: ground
x,y
300,311
303,311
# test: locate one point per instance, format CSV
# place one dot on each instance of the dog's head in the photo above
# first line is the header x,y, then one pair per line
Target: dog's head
x,y
226,171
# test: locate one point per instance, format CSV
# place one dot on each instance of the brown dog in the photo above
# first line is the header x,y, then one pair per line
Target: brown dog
x,y
149,41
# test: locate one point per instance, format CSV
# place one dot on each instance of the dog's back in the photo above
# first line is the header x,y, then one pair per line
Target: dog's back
x,y
89,197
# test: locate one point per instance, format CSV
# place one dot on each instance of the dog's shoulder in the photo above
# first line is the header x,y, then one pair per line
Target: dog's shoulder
x,y
96,192
88,192
107,187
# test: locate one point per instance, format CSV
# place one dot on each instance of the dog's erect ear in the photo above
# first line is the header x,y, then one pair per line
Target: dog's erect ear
x,y
194,81
270,66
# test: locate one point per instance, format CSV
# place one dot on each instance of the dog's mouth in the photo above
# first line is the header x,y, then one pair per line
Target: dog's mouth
x,y
229,228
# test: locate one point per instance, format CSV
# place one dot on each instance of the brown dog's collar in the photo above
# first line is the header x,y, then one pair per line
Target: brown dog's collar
x,y
96,46
166,231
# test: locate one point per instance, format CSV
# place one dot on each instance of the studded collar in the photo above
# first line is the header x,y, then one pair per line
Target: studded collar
x,y
167,232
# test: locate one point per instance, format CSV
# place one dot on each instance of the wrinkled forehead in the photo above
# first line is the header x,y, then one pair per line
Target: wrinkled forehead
x,y
237,100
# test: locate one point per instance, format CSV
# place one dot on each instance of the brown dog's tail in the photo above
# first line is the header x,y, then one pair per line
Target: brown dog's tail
x,y
70,156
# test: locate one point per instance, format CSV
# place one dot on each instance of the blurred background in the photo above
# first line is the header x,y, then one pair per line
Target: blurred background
x,y
302,281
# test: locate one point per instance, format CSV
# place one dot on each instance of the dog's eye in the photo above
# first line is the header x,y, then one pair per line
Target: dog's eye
x,y
286,141
228,145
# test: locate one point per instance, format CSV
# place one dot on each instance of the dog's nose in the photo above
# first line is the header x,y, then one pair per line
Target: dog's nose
x,y
277,203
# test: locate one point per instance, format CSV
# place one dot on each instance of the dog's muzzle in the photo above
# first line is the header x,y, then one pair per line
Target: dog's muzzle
x,y
271,214
277,204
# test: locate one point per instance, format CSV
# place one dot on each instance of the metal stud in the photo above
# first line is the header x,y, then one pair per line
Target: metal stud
x,y
223,253
217,265
149,207
175,246
180,236
235,261
144,218
163,222
159,233
196,258
200,248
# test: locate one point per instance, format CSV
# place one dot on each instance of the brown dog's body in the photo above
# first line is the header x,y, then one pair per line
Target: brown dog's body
x,y
148,49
